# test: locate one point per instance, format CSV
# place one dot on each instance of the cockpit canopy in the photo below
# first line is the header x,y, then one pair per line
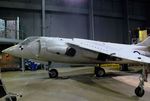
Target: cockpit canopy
x,y
28,40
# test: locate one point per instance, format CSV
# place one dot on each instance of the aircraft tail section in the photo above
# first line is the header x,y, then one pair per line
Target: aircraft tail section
x,y
146,42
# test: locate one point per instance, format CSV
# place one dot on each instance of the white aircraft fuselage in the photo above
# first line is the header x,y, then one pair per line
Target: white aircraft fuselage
x,y
58,50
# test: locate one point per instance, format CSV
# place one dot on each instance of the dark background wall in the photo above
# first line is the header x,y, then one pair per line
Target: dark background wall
x,y
70,18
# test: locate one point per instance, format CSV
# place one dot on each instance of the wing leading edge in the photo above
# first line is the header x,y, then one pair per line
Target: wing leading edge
x,y
101,47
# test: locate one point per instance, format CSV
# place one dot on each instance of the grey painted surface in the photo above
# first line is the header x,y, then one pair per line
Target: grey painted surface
x,y
68,3
61,23
137,8
135,24
30,24
108,29
67,25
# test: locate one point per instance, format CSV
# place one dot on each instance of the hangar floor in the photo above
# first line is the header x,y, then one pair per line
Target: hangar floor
x,y
74,84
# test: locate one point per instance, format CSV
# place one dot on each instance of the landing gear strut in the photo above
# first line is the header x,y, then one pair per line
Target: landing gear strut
x,y
139,91
99,72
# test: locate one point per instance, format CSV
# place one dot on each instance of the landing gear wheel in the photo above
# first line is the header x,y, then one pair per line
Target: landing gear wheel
x,y
99,72
53,73
139,91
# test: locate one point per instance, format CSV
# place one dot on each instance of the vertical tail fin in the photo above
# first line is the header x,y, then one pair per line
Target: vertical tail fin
x,y
146,42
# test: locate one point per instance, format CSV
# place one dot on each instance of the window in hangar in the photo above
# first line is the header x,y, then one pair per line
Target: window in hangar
x,y
9,28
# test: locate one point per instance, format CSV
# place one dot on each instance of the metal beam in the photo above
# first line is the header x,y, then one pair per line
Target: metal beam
x,y
50,8
43,18
37,7
91,21
126,36
6,40
17,29
22,65
5,28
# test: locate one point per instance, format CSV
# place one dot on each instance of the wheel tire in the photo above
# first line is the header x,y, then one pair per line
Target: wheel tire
x,y
53,73
139,91
99,72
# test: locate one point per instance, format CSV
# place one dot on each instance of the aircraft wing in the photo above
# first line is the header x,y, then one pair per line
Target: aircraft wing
x,y
109,50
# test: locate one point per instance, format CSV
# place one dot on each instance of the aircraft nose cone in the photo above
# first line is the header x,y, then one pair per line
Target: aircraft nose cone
x,y
4,51
8,50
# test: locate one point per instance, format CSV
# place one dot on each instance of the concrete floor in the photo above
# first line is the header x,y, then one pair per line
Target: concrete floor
x,y
74,84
